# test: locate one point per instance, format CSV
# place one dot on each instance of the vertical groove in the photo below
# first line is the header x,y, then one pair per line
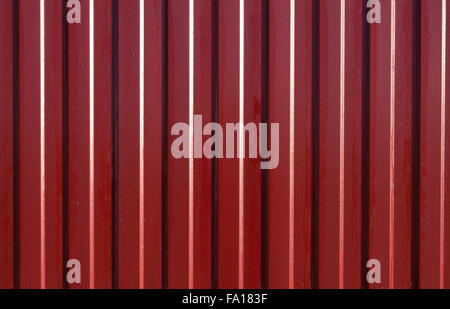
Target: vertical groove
x,y
292,147
365,150
315,145
115,144
443,152
164,147
42,143
214,163
415,190
65,136
265,119
16,143
342,148
141,146
392,149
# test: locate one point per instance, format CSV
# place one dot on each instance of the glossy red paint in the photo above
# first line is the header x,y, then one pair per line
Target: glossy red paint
x,y
364,144
152,145
228,170
30,144
7,144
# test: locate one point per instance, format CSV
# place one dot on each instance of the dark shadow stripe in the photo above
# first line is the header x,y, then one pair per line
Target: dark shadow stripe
x,y
365,146
115,143
16,143
164,148
65,136
265,119
415,189
315,145
214,162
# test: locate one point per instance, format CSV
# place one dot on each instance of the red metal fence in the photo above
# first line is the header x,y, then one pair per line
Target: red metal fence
x,y
85,165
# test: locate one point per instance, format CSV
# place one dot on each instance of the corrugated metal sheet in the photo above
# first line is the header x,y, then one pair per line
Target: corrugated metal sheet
x,y
86,171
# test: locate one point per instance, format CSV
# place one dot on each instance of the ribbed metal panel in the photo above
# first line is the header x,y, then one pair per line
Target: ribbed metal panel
x,y
86,170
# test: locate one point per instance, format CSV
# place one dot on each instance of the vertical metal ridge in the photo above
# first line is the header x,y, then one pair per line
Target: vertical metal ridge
x,y
292,148
265,119
342,147
16,142
443,152
164,146
91,149
392,149
416,124
65,137
42,144
115,143
241,144
315,145
191,144
365,144
214,167
141,146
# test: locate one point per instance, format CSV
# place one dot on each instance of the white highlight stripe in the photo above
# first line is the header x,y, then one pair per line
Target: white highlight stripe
x,y
342,149
141,145
392,150
191,144
241,144
443,136
292,149
42,126
91,147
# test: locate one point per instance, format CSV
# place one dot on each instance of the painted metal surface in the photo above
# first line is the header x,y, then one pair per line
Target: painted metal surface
x,y
86,170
